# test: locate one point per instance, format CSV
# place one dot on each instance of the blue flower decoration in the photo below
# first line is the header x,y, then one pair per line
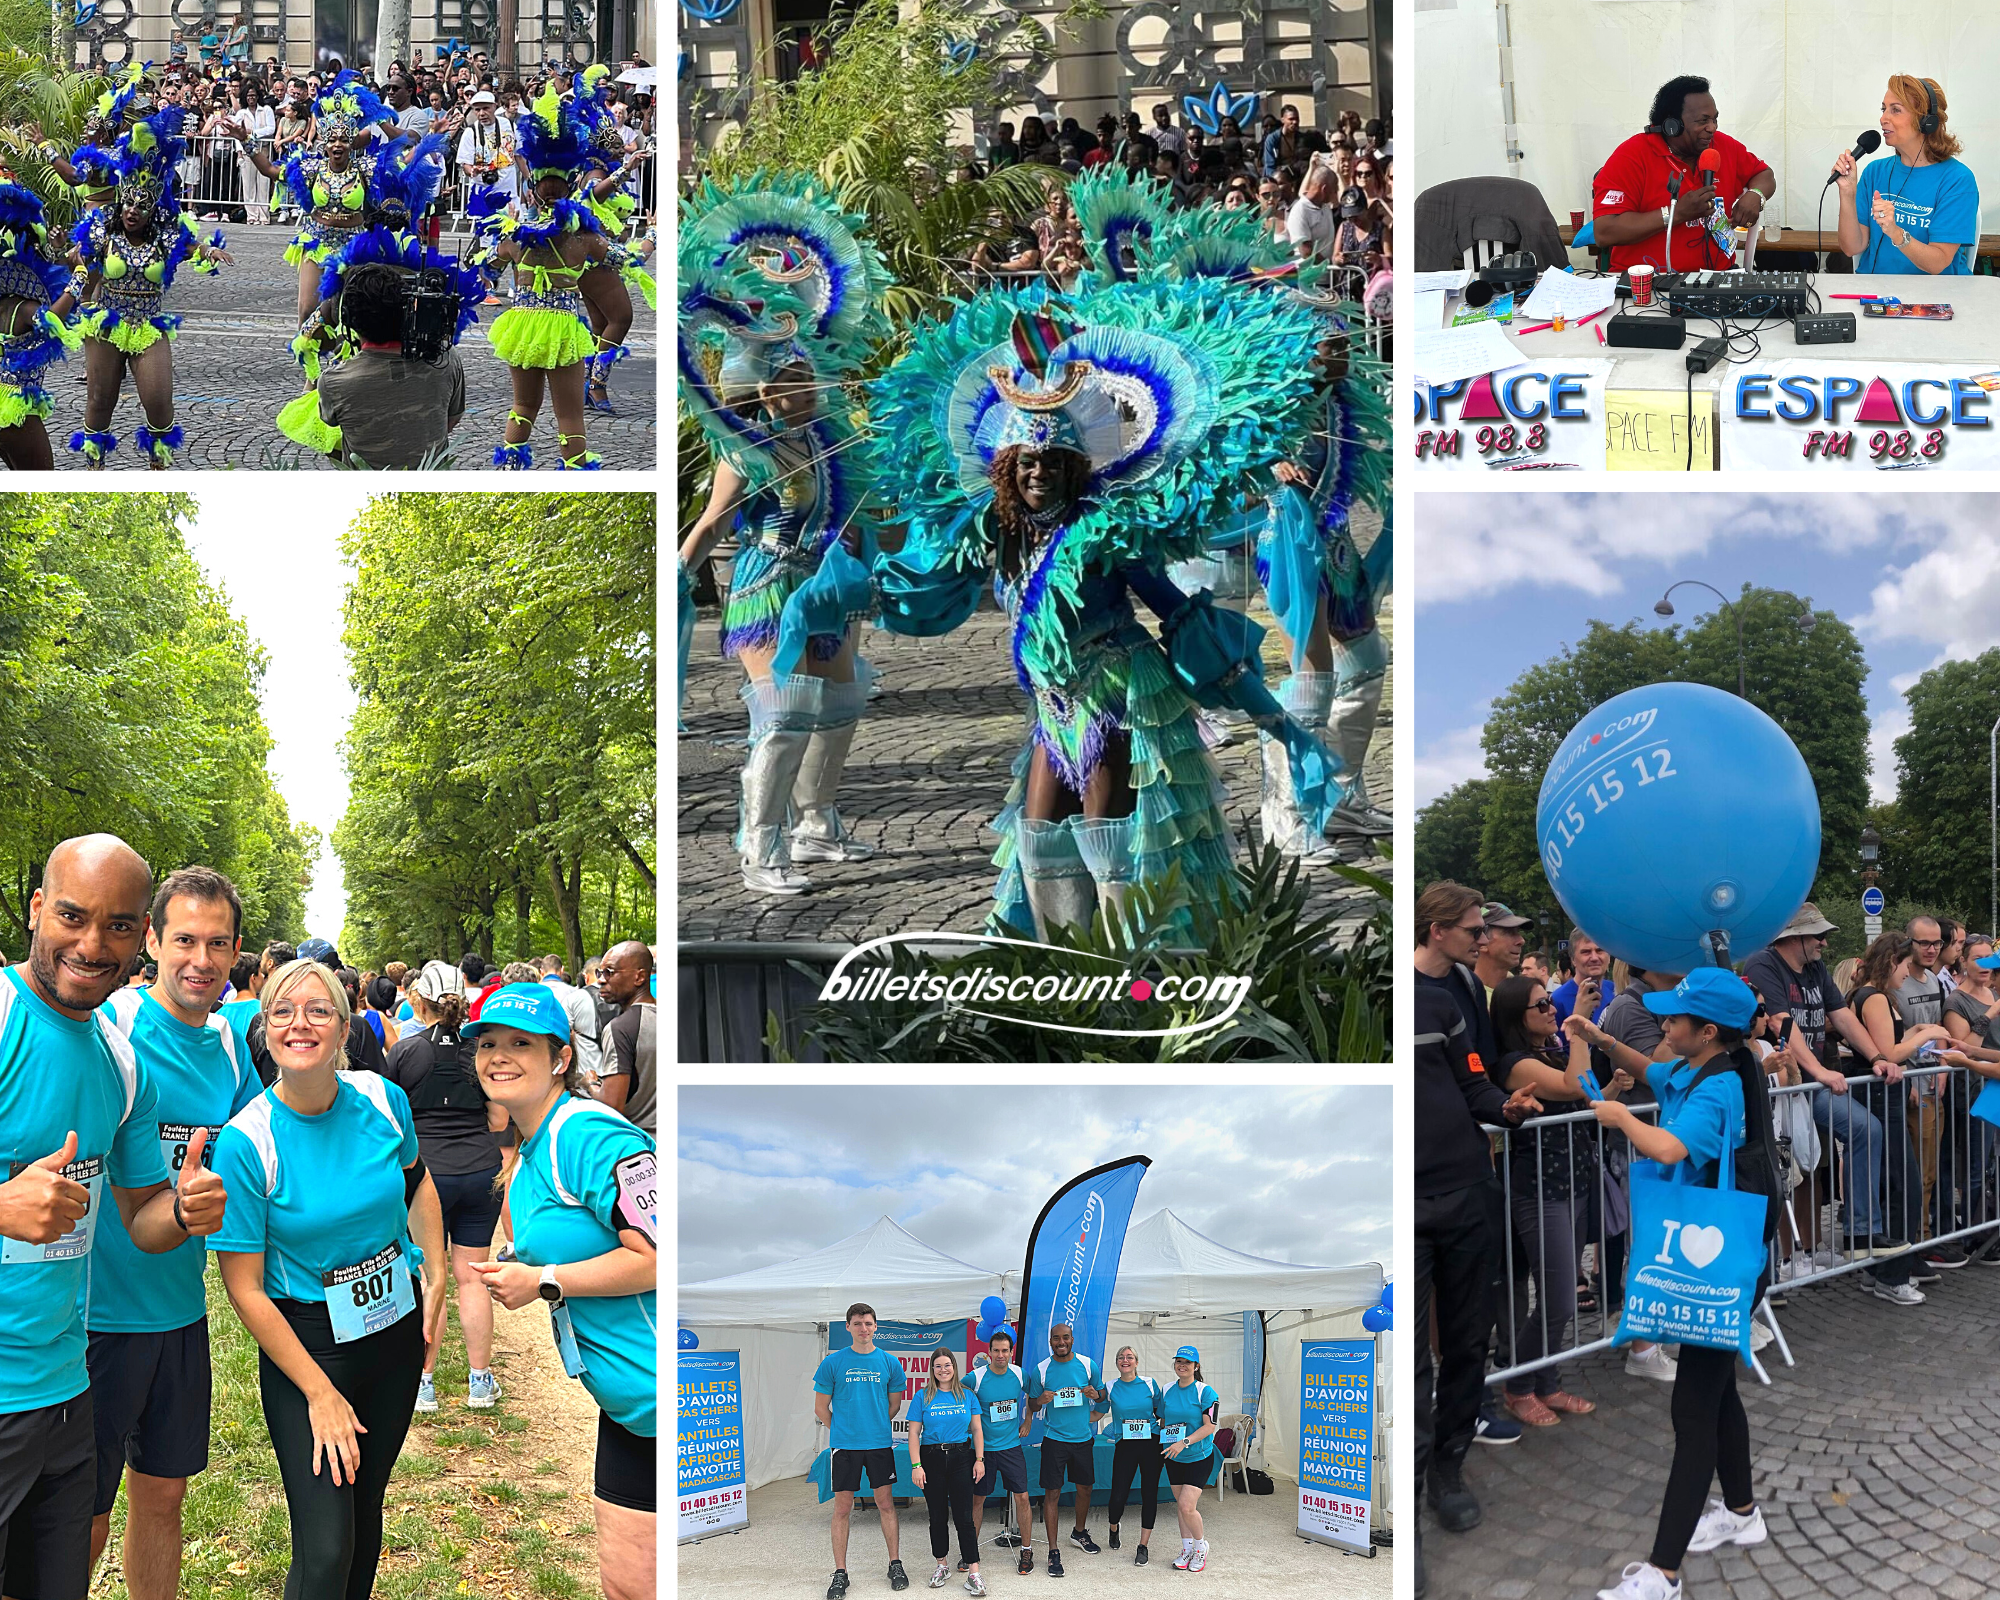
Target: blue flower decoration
x,y
1208,114
959,54
709,10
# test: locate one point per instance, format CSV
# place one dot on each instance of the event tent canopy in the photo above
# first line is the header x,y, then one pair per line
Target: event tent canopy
x,y
1167,1266
903,1278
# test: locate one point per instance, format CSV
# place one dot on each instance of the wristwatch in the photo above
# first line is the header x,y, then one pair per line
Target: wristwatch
x,y
551,1291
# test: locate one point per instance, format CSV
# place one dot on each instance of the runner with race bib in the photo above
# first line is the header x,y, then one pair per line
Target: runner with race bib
x,y
1134,1405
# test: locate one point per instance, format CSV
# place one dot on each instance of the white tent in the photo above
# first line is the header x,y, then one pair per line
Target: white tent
x,y
1175,1286
777,1316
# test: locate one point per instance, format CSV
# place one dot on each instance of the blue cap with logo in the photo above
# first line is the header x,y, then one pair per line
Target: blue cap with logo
x,y
531,1007
1187,1352
1710,993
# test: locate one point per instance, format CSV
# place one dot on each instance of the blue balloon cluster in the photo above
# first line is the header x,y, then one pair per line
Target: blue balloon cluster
x,y
1379,1317
1674,811
992,1316
688,1340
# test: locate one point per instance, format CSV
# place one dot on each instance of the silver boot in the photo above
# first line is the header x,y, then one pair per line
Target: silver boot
x,y
782,713
818,833
1059,887
1306,695
1107,847
1361,668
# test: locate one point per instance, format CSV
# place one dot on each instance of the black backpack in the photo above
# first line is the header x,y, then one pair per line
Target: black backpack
x,y
450,1085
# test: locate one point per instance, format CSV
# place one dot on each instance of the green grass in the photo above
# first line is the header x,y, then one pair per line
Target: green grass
x,y
465,1514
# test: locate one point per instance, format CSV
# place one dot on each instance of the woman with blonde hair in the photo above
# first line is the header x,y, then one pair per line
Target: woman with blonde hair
x,y
1915,210
1134,1405
948,1451
331,1215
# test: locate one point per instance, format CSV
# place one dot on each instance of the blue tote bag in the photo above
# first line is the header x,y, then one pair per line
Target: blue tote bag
x,y
1696,1256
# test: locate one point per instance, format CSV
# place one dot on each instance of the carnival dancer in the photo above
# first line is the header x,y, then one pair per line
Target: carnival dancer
x,y
90,169
31,334
602,186
129,254
329,182
1073,447
562,265
780,302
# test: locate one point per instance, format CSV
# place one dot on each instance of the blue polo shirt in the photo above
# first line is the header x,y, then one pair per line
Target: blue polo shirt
x,y
1069,1422
197,1085
1702,1116
860,1387
1564,996
1002,1397
239,1014
59,1073
1935,204
1136,1401
1185,1406
947,1418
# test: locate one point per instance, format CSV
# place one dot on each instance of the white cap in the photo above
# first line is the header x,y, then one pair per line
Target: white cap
x,y
484,98
438,979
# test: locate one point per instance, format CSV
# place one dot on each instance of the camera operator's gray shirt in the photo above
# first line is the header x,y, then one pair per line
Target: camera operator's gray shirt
x,y
392,411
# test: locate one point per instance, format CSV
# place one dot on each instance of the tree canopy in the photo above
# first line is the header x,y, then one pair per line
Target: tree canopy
x,y
128,705
503,756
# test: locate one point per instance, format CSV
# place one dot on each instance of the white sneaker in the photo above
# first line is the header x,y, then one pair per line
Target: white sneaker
x,y
1823,1257
1187,1555
942,1576
809,848
1654,1363
1366,820
1898,1294
1799,1267
775,880
1199,1560
1719,1525
1642,1582
1760,1335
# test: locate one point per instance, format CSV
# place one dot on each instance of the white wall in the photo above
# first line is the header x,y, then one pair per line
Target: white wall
x,y
1795,80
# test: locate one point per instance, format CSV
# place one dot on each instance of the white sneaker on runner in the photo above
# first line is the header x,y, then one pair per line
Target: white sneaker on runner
x,y
942,1576
1719,1525
1760,1335
1897,1294
1642,1582
1187,1554
1199,1560
1653,1363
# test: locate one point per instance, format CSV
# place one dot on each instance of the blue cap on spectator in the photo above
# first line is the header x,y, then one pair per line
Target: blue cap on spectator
x,y
1187,1352
1988,962
1710,993
531,1007
321,951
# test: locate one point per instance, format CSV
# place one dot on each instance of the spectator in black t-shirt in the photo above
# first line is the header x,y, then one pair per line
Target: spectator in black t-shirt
x,y
1458,1225
1450,924
1001,150
628,1079
1810,1016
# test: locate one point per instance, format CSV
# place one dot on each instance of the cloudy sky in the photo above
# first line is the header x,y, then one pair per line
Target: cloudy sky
x,y
767,1174
1509,579
276,552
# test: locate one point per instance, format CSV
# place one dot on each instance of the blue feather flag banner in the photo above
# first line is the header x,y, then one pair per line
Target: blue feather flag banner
x,y
1074,1247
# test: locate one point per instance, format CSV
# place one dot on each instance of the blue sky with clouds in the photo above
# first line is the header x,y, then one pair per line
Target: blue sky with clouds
x,y
1510,578
768,1174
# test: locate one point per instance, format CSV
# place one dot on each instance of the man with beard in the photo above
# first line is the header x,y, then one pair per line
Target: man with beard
x,y
628,1081
1065,1383
77,1113
1654,197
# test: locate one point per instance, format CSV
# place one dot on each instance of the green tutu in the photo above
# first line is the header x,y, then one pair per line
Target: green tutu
x,y
309,244
134,336
18,404
299,420
539,336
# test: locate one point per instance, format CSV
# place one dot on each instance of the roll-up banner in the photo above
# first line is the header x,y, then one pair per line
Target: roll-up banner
x,y
1337,1442
708,1429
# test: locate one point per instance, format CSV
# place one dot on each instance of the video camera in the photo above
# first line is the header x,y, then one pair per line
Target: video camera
x,y
430,315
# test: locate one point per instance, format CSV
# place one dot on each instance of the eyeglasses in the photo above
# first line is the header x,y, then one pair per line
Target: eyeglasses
x,y
1477,929
317,1012
1927,944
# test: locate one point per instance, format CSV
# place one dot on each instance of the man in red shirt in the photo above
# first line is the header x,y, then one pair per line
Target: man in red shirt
x,y
1661,169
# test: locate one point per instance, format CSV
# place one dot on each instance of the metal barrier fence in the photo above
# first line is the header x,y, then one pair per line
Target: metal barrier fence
x,y
1878,1174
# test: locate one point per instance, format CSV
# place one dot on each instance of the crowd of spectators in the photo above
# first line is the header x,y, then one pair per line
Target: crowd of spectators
x,y
1886,1172
1329,196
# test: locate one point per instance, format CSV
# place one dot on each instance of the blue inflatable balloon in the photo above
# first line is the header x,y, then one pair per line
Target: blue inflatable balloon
x,y
688,1340
1672,811
1376,1319
992,1309
1387,1290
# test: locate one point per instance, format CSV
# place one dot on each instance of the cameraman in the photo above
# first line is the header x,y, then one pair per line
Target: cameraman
x,y
392,410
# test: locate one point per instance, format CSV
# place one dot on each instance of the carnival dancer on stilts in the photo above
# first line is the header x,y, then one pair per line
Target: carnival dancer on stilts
x,y
562,263
128,254
779,303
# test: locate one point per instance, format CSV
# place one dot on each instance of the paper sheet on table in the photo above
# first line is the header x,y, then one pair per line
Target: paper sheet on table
x,y
1428,311
1646,430
1564,292
1424,282
1444,355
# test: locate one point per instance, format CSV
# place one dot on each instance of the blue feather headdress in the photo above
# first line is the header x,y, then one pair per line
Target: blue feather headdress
x,y
347,105
145,158
1115,214
553,134
24,236
413,182
734,331
591,88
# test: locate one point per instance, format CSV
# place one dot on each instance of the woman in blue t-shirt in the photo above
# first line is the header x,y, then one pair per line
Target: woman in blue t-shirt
x,y
1918,209
1705,1018
583,1201
326,1198
1187,1441
1134,1404
947,1451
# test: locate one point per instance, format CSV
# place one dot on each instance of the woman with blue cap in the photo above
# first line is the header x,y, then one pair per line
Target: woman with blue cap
x,y
329,1203
1703,1112
584,1203
1187,1441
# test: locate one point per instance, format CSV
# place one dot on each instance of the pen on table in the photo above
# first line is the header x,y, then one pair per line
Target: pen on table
x,y
1600,334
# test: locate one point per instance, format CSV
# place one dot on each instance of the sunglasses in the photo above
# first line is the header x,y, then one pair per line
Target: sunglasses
x,y
1543,1005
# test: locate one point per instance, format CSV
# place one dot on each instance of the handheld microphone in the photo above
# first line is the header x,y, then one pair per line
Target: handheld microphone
x,y
1867,144
1710,166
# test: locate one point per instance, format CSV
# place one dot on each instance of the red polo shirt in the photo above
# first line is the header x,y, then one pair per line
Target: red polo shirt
x,y
1635,178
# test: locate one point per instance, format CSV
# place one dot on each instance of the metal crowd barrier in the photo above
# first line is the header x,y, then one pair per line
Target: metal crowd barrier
x,y
1906,1162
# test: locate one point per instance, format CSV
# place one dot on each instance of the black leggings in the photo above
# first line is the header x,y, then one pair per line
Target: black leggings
x,y
1143,1457
1711,1435
948,1497
337,1532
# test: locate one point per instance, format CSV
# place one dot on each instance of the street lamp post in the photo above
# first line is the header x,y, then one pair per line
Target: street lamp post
x,y
1871,851
1664,607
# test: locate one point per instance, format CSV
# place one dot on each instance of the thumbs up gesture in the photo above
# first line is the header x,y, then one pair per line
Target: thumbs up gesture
x,y
41,1205
198,1193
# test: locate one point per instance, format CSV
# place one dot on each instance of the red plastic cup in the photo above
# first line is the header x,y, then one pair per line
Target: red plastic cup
x,y
1576,222
1642,284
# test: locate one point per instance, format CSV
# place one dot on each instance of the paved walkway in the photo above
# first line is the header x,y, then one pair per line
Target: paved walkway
x,y
1877,1461
233,369
927,774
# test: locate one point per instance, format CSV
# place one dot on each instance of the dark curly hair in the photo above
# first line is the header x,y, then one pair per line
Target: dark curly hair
x,y
1010,511
1672,97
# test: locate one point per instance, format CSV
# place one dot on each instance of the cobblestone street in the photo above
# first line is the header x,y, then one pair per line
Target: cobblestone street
x,y
1875,1462
927,774
233,369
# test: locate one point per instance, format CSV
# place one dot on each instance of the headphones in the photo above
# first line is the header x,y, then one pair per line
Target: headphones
x,y
1669,127
1928,123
